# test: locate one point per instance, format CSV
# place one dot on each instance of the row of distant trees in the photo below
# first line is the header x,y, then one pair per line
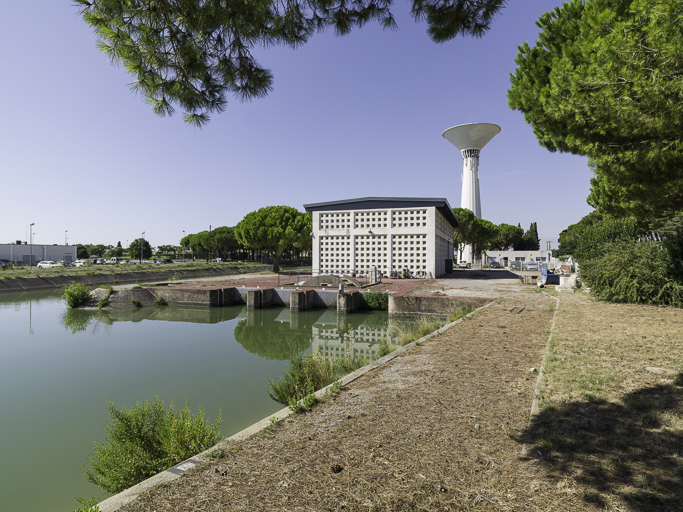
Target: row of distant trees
x,y
84,251
484,235
272,232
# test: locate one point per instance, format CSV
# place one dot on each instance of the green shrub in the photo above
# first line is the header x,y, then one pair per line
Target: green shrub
x,y
376,300
594,240
102,303
673,244
76,294
459,313
161,301
632,272
136,303
305,374
87,505
146,440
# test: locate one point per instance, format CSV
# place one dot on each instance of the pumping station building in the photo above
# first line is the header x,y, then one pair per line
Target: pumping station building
x,y
389,234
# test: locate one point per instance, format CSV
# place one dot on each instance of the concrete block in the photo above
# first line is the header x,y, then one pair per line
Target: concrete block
x,y
254,299
567,283
227,296
297,300
348,302
310,298
267,297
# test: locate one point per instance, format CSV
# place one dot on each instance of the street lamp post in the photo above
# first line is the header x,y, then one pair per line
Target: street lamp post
x,y
183,244
66,239
30,257
141,245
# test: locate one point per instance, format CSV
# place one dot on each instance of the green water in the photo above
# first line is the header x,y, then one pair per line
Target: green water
x,y
57,367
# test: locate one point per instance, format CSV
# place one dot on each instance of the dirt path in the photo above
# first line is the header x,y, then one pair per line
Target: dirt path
x,y
436,428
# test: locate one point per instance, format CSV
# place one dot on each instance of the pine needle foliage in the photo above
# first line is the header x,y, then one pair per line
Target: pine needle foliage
x,y
145,440
604,81
191,54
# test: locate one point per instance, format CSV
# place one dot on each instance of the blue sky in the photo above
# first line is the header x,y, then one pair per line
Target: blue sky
x,y
354,116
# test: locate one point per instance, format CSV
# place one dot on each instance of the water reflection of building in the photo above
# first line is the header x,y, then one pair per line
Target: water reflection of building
x,y
334,342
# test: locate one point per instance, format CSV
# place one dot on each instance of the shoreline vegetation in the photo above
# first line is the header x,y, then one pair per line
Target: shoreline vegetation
x,y
132,435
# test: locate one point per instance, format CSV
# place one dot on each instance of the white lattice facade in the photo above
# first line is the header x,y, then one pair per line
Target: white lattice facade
x,y
391,239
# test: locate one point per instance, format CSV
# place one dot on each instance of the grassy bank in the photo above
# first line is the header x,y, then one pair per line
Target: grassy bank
x,y
26,272
610,427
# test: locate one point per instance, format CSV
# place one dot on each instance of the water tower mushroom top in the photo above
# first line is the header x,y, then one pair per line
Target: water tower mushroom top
x,y
470,139
471,135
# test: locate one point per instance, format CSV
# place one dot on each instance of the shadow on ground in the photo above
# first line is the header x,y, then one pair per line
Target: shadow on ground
x,y
631,450
480,274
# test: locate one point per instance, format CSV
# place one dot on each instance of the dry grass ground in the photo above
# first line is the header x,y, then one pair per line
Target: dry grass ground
x,y
610,428
444,427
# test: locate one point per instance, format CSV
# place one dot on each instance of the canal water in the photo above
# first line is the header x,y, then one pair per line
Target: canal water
x,y
58,366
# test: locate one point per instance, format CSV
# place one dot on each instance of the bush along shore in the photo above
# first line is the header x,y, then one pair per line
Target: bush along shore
x,y
96,276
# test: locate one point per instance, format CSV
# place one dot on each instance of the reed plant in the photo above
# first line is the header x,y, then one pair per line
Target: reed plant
x,y
407,333
305,374
459,313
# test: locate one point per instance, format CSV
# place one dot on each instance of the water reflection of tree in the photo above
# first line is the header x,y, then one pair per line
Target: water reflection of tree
x,y
78,320
272,340
375,321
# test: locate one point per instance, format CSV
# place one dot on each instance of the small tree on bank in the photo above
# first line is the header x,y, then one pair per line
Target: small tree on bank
x,y
134,249
275,228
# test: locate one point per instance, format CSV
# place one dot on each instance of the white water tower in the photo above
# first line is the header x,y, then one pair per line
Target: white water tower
x,y
470,139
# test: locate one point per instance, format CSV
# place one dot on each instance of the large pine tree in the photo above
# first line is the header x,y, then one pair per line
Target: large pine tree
x,y
191,54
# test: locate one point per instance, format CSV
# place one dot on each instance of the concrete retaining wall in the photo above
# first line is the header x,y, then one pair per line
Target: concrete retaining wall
x,y
411,305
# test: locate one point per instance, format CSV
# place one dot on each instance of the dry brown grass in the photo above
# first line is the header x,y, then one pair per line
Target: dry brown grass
x,y
609,427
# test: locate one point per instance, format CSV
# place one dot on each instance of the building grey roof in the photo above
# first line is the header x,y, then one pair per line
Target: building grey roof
x,y
372,203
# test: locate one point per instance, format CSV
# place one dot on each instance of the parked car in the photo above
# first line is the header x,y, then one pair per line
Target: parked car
x,y
164,260
66,263
462,264
494,264
48,264
78,263
100,261
113,261
530,265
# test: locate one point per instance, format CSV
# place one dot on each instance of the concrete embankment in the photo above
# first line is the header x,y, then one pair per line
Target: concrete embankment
x,y
44,282
295,300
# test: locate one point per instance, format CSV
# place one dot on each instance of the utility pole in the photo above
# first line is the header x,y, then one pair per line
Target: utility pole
x,y
30,261
142,242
